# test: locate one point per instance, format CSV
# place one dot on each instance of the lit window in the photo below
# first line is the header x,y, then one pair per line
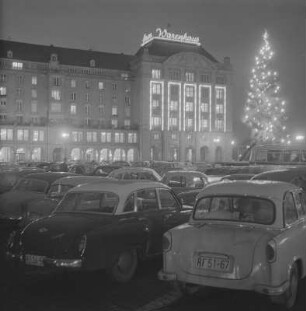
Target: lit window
x,y
101,85
55,94
155,103
156,136
73,83
189,91
109,137
34,93
114,111
132,138
56,107
219,93
156,73
156,88
219,109
124,76
34,80
173,122
219,124
17,65
6,134
189,106
2,90
34,106
189,123
156,121
114,123
189,76
73,109
91,136
38,135
77,136
174,136
204,107
127,123
22,134
204,123
173,105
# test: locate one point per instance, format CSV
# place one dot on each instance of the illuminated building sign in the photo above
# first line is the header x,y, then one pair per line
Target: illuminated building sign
x,y
163,34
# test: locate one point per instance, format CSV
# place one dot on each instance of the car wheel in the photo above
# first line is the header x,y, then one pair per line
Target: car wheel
x,y
125,266
186,289
291,293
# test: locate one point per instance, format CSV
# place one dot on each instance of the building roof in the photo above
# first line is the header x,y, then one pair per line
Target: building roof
x,y
66,56
167,48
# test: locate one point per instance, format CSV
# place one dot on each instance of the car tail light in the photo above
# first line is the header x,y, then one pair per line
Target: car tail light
x,y
271,251
82,244
167,241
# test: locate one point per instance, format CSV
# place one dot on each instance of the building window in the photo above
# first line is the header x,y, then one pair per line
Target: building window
x,y
56,81
189,123
156,88
87,110
19,92
3,103
189,91
77,136
155,103
132,138
101,85
3,117
156,121
114,111
173,122
114,86
87,97
174,136
189,106
173,105
204,124
219,109
53,57
17,65
34,93
34,106
73,109
20,79
175,74
156,136
92,63
101,109
219,93
73,96
205,78
22,134
9,54
127,123
91,137
19,105
189,76
2,90
106,137
6,134
55,94
156,73
34,80
114,123
73,83
204,107
3,77
127,101
87,84
119,137
220,80
124,76
219,124
127,111
38,135
56,107
19,119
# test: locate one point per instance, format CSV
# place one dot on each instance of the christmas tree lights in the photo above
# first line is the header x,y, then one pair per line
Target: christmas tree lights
x,y
264,111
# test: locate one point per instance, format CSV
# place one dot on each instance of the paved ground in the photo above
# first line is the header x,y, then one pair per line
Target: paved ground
x,y
93,291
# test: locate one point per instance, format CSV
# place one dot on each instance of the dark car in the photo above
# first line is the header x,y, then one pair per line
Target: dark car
x,y
132,173
241,176
181,181
294,175
104,170
110,226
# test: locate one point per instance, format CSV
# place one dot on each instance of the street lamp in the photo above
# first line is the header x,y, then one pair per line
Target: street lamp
x,y
65,137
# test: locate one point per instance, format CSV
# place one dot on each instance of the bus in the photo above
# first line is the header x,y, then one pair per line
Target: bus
x,y
278,154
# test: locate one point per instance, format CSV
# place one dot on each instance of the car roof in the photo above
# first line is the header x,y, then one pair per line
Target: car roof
x,y
76,180
121,186
48,176
282,175
134,169
261,188
183,172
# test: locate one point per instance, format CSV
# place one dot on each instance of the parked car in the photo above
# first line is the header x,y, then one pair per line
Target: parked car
x,y
237,176
296,175
181,181
132,173
244,235
109,225
104,170
41,207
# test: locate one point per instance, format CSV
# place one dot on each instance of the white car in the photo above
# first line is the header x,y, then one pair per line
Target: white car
x,y
244,235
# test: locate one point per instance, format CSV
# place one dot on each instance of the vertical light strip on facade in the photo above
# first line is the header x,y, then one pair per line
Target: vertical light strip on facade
x,y
179,103
201,86
224,104
184,102
152,82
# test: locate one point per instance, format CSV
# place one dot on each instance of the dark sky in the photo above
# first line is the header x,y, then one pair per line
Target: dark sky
x,y
226,28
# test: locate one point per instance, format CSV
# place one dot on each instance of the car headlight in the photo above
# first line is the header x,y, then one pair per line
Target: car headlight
x,y
82,244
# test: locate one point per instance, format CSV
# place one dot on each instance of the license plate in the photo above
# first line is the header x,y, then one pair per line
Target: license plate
x,y
34,260
221,264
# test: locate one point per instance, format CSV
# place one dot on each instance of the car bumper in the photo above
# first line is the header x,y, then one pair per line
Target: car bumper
x,y
243,284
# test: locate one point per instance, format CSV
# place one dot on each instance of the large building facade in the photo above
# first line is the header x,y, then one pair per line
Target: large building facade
x,y
172,100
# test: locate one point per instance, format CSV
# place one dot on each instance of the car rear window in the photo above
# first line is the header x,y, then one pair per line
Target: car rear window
x,y
29,184
239,209
101,202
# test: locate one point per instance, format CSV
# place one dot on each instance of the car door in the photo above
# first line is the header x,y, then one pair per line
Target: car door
x,y
147,208
171,209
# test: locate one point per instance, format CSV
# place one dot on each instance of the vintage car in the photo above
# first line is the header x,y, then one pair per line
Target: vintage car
x,y
109,225
181,181
132,173
244,235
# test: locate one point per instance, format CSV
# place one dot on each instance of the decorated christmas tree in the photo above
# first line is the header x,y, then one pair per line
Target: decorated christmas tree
x,y
264,111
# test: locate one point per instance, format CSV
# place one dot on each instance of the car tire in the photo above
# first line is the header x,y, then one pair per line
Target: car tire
x,y
125,266
288,298
186,289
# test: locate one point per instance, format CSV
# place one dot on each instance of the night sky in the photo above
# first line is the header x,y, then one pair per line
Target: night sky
x,y
231,28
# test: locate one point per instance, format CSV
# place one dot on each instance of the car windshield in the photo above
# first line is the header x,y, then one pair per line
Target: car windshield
x,y
58,190
101,202
240,209
29,184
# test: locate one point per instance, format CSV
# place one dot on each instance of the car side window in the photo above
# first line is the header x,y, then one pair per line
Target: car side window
x,y
146,200
167,200
129,204
290,212
302,197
